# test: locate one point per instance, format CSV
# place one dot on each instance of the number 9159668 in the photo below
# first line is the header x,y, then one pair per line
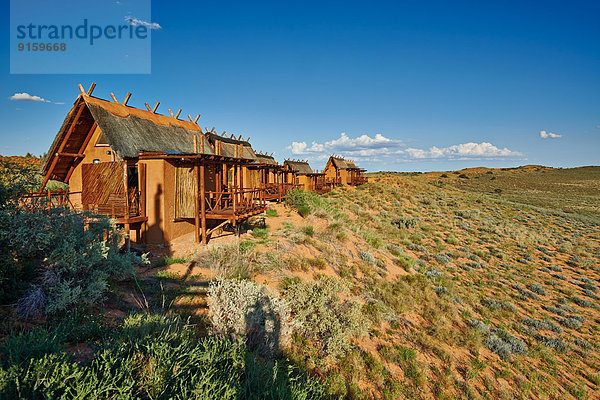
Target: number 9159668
x,y
42,46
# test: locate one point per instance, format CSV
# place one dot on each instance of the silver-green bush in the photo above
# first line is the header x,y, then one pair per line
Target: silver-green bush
x,y
323,317
243,310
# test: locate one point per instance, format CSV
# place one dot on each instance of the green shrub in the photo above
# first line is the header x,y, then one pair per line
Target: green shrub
x,y
231,261
308,230
323,317
17,178
170,260
406,222
367,257
306,202
242,310
74,256
271,212
261,233
158,357
304,211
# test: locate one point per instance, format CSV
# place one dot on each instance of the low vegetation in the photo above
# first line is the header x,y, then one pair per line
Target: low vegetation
x,y
411,286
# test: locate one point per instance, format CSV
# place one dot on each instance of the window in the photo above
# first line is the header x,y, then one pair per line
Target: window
x,y
102,140
96,161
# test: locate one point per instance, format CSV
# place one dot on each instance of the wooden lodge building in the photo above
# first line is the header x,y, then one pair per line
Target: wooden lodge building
x,y
301,174
342,172
162,177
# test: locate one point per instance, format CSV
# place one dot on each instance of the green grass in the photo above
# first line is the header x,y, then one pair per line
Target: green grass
x,y
153,357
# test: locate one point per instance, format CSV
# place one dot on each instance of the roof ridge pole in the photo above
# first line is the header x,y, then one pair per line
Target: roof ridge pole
x,y
113,97
127,96
171,112
81,89
155,107
91,89
177,115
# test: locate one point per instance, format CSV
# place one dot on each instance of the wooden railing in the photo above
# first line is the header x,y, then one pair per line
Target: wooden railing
x,y
118,206
277,191
235,202
47,199
358,180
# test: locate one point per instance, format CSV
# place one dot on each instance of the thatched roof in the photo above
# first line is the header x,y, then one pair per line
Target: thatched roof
x,y
127,130
339,163
266,159
300,167
128,136
228,146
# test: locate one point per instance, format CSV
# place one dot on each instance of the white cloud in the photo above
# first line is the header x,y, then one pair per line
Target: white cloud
x,y
549,135
136,21
28,97
469,150
379,148
361,142
361,145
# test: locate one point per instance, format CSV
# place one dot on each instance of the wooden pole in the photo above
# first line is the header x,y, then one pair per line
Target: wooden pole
x,y
203,203
127,96
195,144
91,89
127,227
234,192
197,205
126,190
142,178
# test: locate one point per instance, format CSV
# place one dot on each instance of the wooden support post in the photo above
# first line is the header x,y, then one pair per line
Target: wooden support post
x,y
203,203
195,144
234,192
201,144
197,205
128,238
126,190
142,182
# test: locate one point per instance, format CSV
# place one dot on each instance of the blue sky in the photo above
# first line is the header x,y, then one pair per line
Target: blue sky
x,y
403,86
